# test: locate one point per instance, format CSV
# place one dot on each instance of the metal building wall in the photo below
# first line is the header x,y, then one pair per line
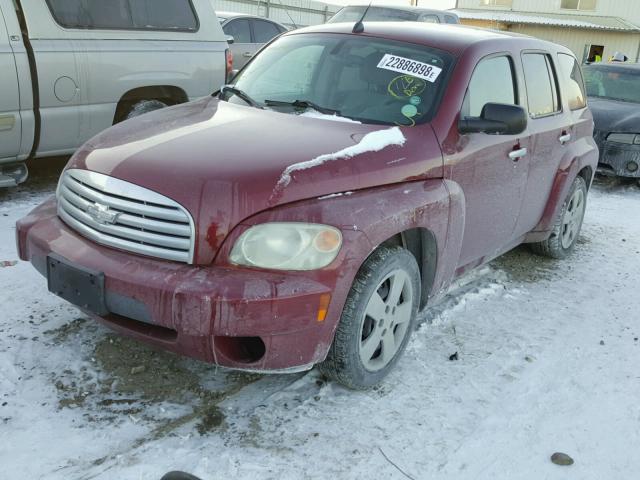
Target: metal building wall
x,y
576,39
288,12
627,9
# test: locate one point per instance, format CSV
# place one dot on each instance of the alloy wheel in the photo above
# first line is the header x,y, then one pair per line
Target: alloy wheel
x,y
386,320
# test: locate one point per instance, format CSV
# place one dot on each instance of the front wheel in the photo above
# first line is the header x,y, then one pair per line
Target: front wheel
x,y
377,320
566,230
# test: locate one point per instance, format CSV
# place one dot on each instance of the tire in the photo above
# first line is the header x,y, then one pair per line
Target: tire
x,y
179,476
566,229
144,106
373,317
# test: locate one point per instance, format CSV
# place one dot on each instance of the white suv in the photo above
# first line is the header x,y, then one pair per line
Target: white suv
x,y
71,68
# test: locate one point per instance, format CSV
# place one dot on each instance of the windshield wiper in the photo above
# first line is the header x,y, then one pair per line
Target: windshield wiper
x,y
240,94
302,104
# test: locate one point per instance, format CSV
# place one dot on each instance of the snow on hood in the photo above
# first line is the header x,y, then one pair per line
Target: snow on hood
x,y
310,113
371,142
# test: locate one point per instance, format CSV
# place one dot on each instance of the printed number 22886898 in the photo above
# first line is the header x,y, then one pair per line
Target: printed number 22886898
x,y
410,67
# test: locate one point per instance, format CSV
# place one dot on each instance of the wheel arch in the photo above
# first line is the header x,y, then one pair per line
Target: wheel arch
x,y
582,164
169,94
422,244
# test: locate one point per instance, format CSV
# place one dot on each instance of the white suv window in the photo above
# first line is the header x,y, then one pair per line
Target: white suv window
x,y
175,15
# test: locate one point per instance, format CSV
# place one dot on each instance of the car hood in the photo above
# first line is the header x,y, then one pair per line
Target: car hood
x,y
225,162
614,115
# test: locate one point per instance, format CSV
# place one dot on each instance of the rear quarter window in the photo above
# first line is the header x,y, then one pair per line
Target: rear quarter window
x,y
572,81
166,15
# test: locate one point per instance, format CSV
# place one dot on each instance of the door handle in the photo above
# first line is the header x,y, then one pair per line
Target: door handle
x,y
247,54
515,155
564,138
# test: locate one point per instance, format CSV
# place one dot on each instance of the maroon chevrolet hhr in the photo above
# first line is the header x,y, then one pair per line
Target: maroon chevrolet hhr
x,y
306,212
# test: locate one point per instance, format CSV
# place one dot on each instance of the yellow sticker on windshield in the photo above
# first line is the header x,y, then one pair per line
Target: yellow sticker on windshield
x,y
406,86
422,70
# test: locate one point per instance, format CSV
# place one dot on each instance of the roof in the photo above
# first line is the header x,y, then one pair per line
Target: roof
x,y
550,19
404,8
451,38
224,14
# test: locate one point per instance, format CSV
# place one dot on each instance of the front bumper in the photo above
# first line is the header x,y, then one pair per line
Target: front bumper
x,y
235,317
619,159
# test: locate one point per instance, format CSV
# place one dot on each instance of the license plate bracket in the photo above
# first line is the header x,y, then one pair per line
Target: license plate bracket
x,y
78,285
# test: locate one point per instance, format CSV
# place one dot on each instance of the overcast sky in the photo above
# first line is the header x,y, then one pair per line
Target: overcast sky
x,y
442,4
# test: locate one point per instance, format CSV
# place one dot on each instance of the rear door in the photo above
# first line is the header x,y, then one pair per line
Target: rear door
x,y
491,169
551,130
242,47
10,121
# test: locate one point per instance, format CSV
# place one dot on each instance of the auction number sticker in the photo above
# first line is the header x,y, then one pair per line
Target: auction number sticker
x,y
414,68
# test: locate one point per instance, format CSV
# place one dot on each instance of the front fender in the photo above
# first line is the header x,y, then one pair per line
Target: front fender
x,y
367,218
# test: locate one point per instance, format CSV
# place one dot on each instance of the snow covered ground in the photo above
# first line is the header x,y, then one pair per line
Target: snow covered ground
x,y
548,354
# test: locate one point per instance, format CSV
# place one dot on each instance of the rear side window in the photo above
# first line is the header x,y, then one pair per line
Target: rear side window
x,y
264,31
239,30
492,82
450,19
572,81
541,83
169,15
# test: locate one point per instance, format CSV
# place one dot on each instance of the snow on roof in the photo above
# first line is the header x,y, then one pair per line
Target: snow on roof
x,y
551,19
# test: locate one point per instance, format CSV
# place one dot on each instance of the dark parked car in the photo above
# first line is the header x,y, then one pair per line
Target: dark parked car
x,y
614,97
395,13
306,213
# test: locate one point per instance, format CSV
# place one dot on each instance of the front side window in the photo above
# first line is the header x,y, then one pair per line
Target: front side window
x,y
540,80
578,4
177,15
496,3
613,83
492,82
367,79
239,29
572,81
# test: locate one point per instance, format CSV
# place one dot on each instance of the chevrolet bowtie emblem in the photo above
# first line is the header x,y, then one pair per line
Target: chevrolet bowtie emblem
x,y
102,214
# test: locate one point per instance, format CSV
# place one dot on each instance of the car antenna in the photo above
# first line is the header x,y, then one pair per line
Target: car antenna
x,y
288,15
359,26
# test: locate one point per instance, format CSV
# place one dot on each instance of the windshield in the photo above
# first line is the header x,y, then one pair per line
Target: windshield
x,y
366,79
374,14
613,83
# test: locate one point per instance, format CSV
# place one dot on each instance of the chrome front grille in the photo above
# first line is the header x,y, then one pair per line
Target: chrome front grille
x,y
120,214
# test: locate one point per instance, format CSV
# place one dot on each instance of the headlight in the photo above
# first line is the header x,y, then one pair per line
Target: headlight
x,y
628,138
287,246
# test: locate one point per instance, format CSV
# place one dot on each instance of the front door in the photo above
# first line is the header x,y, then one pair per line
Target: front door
x,y
490,169
10,121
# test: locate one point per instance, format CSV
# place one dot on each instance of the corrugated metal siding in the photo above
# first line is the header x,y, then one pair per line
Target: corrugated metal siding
x,y
627,9
287,12
574,38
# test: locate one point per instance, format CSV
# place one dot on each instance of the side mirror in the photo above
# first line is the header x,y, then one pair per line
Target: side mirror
x,y
230,39
497,119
